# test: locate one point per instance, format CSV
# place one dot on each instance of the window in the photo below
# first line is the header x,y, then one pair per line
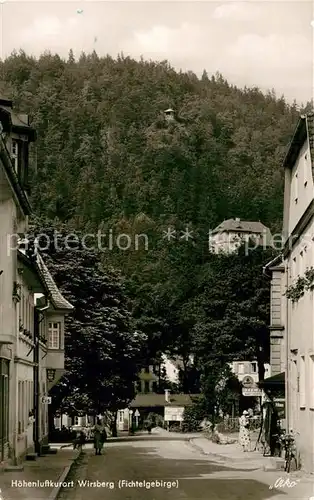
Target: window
x,y
240,368
146,387
296,188
121,417
15,155
311,361
302,382
294,268
54,336
301,262
254,368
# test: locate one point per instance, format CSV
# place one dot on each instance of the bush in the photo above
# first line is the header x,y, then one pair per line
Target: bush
x,y
193,417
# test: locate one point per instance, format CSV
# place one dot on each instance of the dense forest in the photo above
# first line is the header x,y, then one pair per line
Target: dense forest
x,y
106,159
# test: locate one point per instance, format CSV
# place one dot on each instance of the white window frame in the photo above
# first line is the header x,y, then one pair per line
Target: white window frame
x,y
54,335
241,365
311,379
15,154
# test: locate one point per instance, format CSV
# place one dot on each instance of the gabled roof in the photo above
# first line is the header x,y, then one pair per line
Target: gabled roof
x,y
152,399
304,129
240,226
53,292
59,302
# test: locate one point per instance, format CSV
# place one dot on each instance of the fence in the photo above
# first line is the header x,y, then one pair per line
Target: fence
x,y
229,425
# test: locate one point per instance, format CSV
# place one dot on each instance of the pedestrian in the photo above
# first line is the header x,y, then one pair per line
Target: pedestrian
x,y
244,433
100,436
79,441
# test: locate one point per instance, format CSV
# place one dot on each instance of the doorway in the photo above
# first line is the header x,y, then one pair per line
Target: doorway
x,y
4,407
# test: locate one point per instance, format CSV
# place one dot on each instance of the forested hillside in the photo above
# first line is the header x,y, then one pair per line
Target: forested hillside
x,y
106,158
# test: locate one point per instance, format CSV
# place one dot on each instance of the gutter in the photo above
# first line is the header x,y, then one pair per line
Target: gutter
x,y
36,377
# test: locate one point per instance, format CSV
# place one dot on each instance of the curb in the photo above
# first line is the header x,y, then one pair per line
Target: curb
x,y
55,492
223,458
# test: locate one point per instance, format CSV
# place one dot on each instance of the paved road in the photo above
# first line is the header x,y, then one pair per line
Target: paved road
x,y
179,473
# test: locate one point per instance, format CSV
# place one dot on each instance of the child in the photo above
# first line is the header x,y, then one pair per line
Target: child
x,y
79,441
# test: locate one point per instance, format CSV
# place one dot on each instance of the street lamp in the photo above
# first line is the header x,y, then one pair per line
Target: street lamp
x,y
51,372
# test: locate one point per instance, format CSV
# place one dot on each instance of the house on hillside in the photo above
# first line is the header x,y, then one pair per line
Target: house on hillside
x,y
232,233
31,334
292,298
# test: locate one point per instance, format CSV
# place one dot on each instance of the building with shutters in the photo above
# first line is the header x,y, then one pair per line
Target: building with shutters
x,y
292,294
31,329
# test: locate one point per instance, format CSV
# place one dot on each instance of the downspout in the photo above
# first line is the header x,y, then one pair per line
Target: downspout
x,y
287,413
36,377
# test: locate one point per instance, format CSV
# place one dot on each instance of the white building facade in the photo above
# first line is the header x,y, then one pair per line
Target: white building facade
x,y
26,331
292,328
232,233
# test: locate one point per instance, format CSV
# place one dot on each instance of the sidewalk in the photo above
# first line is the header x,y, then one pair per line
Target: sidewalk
x,y
47,472
233,454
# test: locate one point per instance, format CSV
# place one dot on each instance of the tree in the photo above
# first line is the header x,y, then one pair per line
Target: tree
x,y
102,349
232,312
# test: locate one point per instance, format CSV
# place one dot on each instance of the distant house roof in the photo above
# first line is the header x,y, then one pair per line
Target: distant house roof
x,y
239,225
151,400
56,297
304,129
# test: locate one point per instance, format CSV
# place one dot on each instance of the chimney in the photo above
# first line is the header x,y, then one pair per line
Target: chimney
x,y
167,398
237,219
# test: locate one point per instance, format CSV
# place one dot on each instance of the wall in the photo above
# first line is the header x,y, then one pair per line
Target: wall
x,y
277,321
301,188
229,241
300,375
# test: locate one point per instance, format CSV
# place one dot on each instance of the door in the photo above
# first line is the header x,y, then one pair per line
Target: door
x,y
4,406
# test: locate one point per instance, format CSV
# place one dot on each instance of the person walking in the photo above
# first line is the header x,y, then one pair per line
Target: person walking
x,y
99,432
244,433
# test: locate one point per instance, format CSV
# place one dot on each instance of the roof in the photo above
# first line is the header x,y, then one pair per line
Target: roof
x,y
55,296
239,225
274,381
17,122
59,302
304,129
153,400
5,159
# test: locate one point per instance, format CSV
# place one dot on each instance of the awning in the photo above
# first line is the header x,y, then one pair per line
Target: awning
x,y
276,381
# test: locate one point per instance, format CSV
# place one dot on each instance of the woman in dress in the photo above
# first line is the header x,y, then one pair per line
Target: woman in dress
x,y
244,434
98,437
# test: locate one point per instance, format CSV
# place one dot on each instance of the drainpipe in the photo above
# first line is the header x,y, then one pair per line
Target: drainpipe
x,y
36,376
287,355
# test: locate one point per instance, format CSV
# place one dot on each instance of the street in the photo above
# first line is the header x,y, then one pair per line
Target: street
x,y
182,472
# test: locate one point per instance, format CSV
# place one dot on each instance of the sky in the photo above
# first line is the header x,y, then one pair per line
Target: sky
x,y
255,43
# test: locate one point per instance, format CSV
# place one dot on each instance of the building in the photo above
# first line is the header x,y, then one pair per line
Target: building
x,y
244,369
232,233
170,407
31,334
292,299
